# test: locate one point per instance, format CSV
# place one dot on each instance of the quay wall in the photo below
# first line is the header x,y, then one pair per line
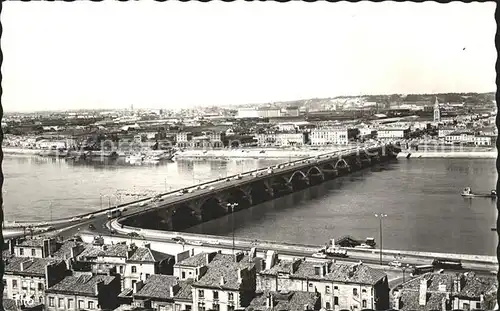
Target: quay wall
x,y
450,154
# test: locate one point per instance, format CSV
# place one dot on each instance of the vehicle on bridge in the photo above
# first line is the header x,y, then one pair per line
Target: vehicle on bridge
x,y
319,255
196,243
446,263
467,193
417,270
114,213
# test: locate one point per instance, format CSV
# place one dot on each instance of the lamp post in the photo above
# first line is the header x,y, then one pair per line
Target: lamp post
x,y
232,206
380,217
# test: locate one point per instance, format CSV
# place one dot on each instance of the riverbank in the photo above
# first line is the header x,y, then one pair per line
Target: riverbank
x,y
252,153
449,154
10,150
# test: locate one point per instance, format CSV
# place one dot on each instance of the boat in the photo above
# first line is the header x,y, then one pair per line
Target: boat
x,y
467,193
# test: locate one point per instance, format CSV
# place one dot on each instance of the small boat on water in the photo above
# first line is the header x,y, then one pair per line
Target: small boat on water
x,y
467,193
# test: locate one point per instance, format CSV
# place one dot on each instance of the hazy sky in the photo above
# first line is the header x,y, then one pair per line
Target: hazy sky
x,y
163,55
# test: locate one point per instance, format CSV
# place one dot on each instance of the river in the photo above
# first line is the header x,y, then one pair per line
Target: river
x,y
420,197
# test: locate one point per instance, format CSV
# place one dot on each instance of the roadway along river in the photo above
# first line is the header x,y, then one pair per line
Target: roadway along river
x,y
420,196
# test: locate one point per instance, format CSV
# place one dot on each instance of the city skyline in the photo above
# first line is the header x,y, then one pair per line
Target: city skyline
x,y
426,48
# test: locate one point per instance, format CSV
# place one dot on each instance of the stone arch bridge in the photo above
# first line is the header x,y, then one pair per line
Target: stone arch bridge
x,y
201,204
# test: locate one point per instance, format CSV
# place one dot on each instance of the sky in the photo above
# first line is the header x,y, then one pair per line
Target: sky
x,y
111,54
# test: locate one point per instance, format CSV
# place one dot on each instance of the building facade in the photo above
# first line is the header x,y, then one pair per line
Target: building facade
x,y
328,136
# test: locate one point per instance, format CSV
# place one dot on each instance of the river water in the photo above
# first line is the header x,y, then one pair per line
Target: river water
x,y
420,197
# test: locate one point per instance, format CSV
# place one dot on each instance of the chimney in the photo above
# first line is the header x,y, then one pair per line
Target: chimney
x,y
306,307
147,245
444,304
270,301
239,256
26,264
97,286
397,300
422,298
104,247
12,243
137,286
240,277
192,252
174,290
222,281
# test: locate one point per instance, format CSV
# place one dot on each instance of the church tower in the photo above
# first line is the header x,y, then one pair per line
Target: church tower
x,y
437,113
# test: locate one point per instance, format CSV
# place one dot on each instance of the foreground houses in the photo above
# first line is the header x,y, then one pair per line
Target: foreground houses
x,y
133,263
90,292
341,286
434,291
291,301
25,279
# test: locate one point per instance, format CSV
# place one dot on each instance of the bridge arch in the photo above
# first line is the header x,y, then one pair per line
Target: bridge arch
x,y
341,163
315,174
259,192
298,180
184,217
211,209
237,195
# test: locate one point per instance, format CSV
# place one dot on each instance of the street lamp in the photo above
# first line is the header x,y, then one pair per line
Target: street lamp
x,y
232,206
380,216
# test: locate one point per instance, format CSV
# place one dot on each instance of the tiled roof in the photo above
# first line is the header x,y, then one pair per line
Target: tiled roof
x,y
225,266
64,251
194,261
127,292
37,266
283,266
293,301
476,286
82,285
433,282
6,254
185,292
357,273
141,254
30,243
157,287
410,301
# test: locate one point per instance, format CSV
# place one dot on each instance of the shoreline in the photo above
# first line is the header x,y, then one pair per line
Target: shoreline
x,y
448,155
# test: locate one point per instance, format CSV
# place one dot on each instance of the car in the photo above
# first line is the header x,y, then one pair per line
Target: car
x,y
214,242
90,216
319,255
180,193
196,243
227,179
91,227
133,234
395,264
112,231
190,190
178,239
123,209
184,191
49,228
161,199
203,187
211,188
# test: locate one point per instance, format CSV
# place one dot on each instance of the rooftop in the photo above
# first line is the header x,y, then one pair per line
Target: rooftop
x,y
32,266
30,243
141,254
64,251
185,292
292,301
83,285
157,286
224,268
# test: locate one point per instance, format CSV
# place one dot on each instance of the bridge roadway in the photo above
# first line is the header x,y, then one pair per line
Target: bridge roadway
x,y
13,229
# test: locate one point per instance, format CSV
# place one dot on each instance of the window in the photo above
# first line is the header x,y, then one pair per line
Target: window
x,y
14,283
215,307
40,299
216,294
335,288
40,286
70,303
327,289
33,252
81,304
121,269
133,283
32,285
355,291
335,301
230,296
91,305
162,308
328,306
478,305
51,302
188,307
21,251
177,307
310,284
147,276
134,269
183,275
24,285
363,291
230,308
201,306
60,303
466,307
4,282
363,303
201,293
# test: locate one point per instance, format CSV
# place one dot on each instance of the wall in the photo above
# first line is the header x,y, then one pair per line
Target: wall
x,y
38,289
66,302
27,251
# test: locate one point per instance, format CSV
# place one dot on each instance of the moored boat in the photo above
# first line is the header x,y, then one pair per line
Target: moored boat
x,y
467,193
